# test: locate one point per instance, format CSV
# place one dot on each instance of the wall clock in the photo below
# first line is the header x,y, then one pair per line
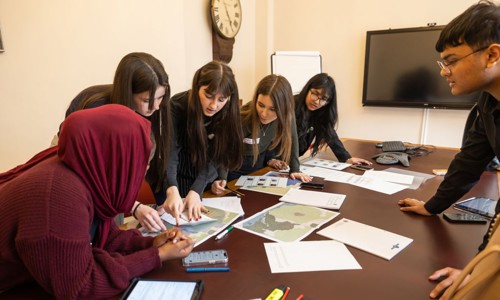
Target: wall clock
x,y
226,16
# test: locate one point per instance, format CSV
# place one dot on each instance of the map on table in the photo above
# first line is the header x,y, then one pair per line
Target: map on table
x,y
202,232
275,190
286,222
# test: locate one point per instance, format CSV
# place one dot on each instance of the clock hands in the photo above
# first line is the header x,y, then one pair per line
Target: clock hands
x,y
228,17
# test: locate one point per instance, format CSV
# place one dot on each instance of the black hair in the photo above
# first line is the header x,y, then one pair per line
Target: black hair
x,y
478,27
323,119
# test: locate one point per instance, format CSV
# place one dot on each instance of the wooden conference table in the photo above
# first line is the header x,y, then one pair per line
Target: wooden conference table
x,y
436,243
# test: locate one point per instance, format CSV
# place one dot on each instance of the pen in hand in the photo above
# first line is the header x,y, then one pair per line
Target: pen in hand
x,y
234,191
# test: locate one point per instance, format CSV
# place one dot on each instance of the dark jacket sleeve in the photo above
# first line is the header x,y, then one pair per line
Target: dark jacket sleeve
x,y
465,169
338,148
178,113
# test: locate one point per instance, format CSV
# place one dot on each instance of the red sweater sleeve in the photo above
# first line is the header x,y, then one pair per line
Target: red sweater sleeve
x,y
126,241
50,215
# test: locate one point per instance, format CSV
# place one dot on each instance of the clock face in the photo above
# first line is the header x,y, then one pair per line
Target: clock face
x,y
226,17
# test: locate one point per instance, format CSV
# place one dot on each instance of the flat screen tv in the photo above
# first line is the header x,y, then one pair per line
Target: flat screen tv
x,y
401,71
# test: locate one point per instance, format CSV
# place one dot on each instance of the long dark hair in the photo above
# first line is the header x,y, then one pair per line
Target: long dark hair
x,y
227,148
279,90
139,72
324,119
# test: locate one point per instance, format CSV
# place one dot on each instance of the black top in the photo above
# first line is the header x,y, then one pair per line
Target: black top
x,y
180,171
305,139
481,145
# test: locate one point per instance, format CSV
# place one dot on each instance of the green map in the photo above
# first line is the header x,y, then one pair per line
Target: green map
x,y
202,232
286,222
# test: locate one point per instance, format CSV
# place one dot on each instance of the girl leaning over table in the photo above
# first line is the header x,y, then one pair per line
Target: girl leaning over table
x,y
58,210
207,135
270,137
140,83
316,116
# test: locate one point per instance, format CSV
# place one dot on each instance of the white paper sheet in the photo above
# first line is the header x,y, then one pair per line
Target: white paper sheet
x,y
232,204
309,256
376,185
365,182
183,221
371,239
419,177
389,176
314,198
317,172
339,176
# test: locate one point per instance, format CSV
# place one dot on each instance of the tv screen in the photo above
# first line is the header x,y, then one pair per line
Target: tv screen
x,y
401,71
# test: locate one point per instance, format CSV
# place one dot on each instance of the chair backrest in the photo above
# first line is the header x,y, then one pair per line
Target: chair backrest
x,y
484,270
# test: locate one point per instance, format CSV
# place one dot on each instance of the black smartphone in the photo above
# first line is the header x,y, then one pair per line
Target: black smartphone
x,y
361,167
463,218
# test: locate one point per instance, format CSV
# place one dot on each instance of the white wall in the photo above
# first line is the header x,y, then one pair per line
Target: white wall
x,y
338,30
55,48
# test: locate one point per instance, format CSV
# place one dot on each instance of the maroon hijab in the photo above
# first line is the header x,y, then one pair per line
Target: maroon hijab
x,y
108,147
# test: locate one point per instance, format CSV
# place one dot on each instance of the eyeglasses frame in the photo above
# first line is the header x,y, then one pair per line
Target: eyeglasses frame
x,y
445,66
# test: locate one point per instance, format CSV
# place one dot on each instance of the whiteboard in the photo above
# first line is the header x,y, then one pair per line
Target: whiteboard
x,y
296,66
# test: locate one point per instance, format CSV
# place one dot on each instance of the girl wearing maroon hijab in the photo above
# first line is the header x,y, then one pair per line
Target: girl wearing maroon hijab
x,y
58,210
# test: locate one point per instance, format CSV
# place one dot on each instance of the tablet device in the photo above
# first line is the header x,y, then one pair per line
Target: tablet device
x,y
153,289
478,205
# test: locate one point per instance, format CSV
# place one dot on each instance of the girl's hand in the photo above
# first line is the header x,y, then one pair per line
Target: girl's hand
x,y
277,164
301,176
358,161
218,186
170,250
194,206
174,205
149,218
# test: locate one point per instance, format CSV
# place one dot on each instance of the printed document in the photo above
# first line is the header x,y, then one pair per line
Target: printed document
x,y
389,176
232,204
309,256
367,238
262,181
314,198
325,163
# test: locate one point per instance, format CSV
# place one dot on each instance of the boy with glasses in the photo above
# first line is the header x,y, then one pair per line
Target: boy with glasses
x,y
470,48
